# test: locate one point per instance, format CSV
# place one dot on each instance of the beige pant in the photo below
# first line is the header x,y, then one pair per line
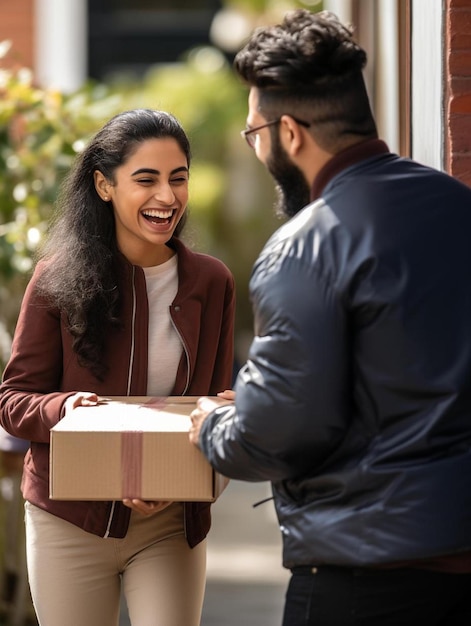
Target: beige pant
x,y
76,577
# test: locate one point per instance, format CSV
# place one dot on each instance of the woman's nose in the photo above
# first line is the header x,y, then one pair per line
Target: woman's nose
x,y
164,194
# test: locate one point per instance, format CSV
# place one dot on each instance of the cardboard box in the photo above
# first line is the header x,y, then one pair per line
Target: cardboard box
x,y
130,447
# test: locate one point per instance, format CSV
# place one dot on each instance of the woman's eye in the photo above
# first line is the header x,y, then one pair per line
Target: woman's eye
x,y
180,179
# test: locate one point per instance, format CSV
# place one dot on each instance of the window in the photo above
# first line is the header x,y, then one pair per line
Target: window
x,y
130,35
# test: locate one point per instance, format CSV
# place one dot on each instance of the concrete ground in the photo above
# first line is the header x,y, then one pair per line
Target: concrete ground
x,y
246,582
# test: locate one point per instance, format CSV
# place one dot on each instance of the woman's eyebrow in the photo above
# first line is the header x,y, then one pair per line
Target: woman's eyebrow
x,y
148,170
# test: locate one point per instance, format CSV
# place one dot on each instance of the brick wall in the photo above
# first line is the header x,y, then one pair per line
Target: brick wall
x,y
458,89
16,24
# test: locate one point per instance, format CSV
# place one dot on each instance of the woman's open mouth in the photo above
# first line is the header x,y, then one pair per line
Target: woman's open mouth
x,y
158,216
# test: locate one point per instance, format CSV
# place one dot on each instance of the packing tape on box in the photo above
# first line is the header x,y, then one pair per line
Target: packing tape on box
x,y
131,462
131,455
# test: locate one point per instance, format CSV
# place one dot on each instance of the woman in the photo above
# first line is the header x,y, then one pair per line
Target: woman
x,y
117,305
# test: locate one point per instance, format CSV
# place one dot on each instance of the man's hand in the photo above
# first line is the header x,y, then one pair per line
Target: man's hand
x,y
205,406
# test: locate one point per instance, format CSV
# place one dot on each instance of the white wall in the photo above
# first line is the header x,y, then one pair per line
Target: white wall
x,y
427,82
61,43
377,33
341,8
387,72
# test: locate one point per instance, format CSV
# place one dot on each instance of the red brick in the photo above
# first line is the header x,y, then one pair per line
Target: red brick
x,y
460,133
459,85
458,4
459,23
459,62
16,24
460,41
461,103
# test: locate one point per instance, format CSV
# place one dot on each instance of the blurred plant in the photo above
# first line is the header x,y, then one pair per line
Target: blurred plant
x,y
41,131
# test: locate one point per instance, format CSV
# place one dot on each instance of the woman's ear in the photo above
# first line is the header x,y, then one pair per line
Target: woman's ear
x,y
102,185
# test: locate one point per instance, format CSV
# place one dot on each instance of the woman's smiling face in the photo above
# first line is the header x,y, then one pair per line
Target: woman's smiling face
x,y
149,197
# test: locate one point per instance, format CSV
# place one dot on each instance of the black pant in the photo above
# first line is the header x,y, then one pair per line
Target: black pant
x,y
344,596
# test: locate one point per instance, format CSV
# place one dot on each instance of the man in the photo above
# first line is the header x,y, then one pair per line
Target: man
x,y
355,401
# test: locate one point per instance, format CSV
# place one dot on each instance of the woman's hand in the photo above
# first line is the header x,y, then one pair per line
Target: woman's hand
x,y
145,507
82,398
227,394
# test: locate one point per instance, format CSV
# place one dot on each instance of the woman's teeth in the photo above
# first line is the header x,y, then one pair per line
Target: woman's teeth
x,y
156,214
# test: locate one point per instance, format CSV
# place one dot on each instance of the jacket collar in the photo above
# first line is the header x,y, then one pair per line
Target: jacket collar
x,y
188,268
176,244
346,158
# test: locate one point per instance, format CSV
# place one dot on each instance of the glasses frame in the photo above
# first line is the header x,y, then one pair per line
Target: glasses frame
x,y
250,138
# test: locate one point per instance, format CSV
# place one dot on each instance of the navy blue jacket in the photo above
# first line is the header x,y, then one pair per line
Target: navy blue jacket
x,y
355,401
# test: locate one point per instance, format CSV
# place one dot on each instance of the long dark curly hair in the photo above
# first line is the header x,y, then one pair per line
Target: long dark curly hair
x,y
80,249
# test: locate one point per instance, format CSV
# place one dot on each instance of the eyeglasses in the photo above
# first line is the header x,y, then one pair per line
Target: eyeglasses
x,y
250,138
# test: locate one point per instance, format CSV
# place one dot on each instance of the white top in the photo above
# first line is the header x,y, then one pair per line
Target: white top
x,y
165,346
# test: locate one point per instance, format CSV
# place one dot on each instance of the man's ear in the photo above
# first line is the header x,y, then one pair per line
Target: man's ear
x,y
102,185
291,135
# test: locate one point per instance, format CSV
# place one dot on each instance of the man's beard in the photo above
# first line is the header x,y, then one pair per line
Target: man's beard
x,y
291,188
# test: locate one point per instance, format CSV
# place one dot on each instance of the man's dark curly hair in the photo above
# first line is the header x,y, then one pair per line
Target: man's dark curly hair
x,y
309,66
80,250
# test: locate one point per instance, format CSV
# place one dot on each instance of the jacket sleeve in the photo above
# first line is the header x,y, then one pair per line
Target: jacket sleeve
x,y
291,406
30,403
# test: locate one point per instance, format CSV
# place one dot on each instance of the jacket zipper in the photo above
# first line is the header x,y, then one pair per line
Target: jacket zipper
x,y
131,362
187,357
133,322
187,384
